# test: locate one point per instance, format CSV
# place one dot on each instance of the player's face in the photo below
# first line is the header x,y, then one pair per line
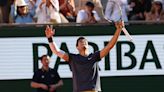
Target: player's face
x,y
82,44
45,61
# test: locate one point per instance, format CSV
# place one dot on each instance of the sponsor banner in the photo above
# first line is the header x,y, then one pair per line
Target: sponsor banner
x,y
144,56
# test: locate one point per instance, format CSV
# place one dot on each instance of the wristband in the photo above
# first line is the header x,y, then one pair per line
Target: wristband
x,y
50,39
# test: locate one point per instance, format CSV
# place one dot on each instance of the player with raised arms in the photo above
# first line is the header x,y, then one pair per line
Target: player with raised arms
x,y
84,65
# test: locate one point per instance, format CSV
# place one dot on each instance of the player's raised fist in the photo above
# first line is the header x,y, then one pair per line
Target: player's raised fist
x,y
119,25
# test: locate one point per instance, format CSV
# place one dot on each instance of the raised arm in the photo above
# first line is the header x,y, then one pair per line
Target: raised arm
x,y
113,41
54,48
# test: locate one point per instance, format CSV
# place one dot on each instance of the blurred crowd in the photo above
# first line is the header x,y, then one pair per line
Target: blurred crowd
x,y
79,11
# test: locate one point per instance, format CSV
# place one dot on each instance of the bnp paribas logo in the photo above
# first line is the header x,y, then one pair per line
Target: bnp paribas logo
x,y
128,56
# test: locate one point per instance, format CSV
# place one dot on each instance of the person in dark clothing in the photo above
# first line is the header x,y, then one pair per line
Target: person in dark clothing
x,y
140,7
84,65
46,79
4,9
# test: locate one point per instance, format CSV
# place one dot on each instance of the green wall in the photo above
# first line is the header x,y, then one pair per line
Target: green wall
x,y
109,84
78,30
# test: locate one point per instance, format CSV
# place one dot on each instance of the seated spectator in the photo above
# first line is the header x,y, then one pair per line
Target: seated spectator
x,y
146,5
157,12
48,12
67,10
80,4
111,11
20,12
137,13
88,15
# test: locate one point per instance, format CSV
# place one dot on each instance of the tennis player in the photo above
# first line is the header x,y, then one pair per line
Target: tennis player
x,y
84,65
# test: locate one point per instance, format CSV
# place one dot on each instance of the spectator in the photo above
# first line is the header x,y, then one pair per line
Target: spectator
x,y
137,12
46,79
67,9
80,4
112,9
146,4
48,12
157,12
20,12
4,11
88,15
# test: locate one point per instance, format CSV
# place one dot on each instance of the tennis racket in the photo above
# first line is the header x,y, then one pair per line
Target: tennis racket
x,y
120,18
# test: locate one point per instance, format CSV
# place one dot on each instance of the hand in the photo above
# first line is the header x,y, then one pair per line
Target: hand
x,y
52,88
43,86
49,32
119,25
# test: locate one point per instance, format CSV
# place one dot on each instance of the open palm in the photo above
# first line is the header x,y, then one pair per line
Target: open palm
x,y
49,32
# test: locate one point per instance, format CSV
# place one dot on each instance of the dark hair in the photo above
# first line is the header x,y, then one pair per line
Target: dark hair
x,y
43,56
81,37
18,12
90,4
